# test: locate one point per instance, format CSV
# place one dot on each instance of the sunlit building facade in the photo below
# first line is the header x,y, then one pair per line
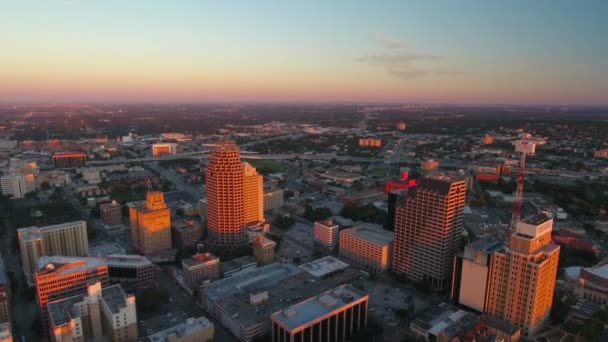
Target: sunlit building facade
x,y
253,195
150,224
368,247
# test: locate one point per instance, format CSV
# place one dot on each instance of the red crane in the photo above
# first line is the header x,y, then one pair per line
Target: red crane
x,y
525,147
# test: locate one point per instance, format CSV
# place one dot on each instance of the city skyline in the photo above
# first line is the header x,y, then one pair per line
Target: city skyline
x,y
417,52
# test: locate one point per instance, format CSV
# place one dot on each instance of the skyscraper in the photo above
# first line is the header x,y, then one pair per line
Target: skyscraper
x,y
150,223
225,198
428,228
111,213
522,276
253,194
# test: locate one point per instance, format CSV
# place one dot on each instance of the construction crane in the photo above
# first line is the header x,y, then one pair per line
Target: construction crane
x,y
525,147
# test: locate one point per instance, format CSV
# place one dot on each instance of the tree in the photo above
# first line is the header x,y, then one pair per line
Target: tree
x,y
284,222
45,185
318,214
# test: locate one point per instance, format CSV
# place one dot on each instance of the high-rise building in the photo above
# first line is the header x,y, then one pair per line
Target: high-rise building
x,y
6,335
67,239
326,235
428,229
59,277
185,234
225,198
522,276
202,208
367,246
253,195
164,149
332,316
132,272
263,250
68,160
472,272
17,185
103,313
111,213
200,267
273,200
192,330
150,223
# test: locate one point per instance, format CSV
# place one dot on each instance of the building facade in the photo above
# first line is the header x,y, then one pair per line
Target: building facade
x,y
429,165
132,272
17,185
326,235
428,229
200,267
67,239
253,195
263,250
164,149
111,213
185,234
522,276
273,200
193,330
5,296
69,160
225,198
150,224
593,284
333,316
100,314
367,246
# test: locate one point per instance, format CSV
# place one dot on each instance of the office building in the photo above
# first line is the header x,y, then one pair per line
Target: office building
x,y
238,266
253,195
6,334
429,165
326,235
199,268
17,185
472,272
150,224
487,140
192,330
132,272
428,229
225,198
111,213
164,149
67,239
59,277
592,284
69,160
263,250
202,208
324,267
373,142
185,234
401,126
332,316
102,313
522,276
273,200
367,246
603,153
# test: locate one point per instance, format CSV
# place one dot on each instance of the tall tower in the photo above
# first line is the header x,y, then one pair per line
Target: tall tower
x,y
522,276
253,194
428,228
225,198
150,223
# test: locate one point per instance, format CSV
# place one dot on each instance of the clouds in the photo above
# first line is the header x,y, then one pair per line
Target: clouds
x,y
400,63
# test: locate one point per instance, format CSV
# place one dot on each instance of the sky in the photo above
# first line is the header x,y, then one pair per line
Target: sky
x,y
548,52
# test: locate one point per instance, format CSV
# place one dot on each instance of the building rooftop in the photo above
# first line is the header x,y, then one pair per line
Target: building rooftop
x,y
69,154
199,259
106,249
372,233
600,271
237,264
259,278
34,232
114,297
188,328
61,265
536,219
440,182
319,306
487,246
126,260
323,266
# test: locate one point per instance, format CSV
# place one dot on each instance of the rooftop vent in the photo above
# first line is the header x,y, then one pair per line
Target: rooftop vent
x,y
289,313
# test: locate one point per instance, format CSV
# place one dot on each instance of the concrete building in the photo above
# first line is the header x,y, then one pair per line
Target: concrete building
x,y
326,235
522,276
373,142
59,277
273,200
199,268
111,213
592,284
67,239
603,153
263,250
132,272
6,334
238,266
164,149
471,273
202,208
429,165
102,313
55,178
150,224
225,197
332,316
17,185
367,246
253,195
193,330
487,140
69,160
324,267
428,229
185,234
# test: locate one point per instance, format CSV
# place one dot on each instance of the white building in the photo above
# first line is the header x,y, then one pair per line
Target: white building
x,y
326,235
17,185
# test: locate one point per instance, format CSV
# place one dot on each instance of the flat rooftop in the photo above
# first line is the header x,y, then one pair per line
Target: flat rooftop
x,y
199,259
319,306
114,297
35,232
106,249
127,260
63,310
600,271
259,278
61,265
237,264
323,266
536,219
372,233
188,328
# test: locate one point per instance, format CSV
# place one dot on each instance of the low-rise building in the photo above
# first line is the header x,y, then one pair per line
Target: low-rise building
x,y
164,149
193,330
324,267
263,250
238,266
199,268
131,271
111,213
185,233
593,284
326,235
273,200
367,246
